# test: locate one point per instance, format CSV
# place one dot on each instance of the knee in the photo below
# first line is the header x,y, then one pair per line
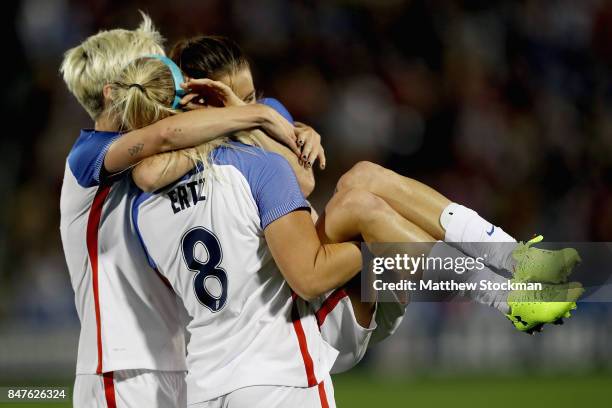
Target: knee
x,y
362,175
358,205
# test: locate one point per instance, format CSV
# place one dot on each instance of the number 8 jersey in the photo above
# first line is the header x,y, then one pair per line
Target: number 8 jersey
x,y
205,235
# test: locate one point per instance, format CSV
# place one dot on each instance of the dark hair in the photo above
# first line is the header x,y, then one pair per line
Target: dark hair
x,y
208,56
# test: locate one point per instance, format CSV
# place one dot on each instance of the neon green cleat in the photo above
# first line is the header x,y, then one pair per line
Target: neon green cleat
x,y
530,310
541,265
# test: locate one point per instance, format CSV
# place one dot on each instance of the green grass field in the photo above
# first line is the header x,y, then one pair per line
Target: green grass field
x,y
356,390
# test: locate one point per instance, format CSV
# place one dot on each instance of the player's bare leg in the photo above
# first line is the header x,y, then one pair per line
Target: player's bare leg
x,y
358,214
412,199
361,215
355,213
459,225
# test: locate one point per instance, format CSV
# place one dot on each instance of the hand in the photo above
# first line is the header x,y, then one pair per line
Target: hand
x,y
205,91
279,129
192,101
309,142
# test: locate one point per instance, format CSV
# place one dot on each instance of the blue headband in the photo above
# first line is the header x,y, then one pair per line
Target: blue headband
x,y
177,77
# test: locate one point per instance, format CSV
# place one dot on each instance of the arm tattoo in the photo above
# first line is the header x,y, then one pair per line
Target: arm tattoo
x,y
135,149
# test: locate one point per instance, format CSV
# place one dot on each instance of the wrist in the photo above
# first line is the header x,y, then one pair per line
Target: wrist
x,y
262,115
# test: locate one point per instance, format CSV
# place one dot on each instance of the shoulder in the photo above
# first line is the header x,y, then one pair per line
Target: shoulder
x,y
87,155
90,138
248,159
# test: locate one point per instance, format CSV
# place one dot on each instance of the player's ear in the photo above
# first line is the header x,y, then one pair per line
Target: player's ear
x,y
106,91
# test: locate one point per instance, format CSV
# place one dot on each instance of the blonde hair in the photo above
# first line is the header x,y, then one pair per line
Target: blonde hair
x,y
143,93
99,59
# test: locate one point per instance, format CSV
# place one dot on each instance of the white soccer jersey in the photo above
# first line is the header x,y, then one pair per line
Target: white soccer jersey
x,y
205,235
129,316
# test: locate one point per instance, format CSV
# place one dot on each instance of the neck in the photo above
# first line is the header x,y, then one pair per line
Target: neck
x,y
104,124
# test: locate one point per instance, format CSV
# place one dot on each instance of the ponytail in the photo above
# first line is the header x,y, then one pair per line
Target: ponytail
x,y
143,94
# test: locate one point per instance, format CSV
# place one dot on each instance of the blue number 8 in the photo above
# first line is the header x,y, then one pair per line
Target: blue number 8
x,y
203,271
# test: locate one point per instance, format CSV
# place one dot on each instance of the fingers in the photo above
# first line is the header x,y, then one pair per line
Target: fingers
x,y
280,129
223,87
188,98
194,83
322,159
310,142
311,156
205,87
314,153
191,101
300,138
307,150
219,93
291,142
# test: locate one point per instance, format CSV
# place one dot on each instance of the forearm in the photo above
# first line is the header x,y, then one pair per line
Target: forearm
x,y
330,266
310,267
334,266
161,170
203,125
180,131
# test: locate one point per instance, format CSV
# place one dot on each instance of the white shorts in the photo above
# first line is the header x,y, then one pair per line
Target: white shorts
x,y
339,328
274,396
130,389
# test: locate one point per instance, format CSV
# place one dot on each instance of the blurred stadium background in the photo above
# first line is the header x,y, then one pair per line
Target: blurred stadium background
x,y
503,105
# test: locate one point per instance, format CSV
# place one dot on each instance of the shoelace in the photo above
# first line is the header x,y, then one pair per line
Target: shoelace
x,y
535,240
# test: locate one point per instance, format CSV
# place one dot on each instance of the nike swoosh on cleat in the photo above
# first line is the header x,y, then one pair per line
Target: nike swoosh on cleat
x,y
489,233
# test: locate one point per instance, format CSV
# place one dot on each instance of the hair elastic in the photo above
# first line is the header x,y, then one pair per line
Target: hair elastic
x,y
136,86
177,77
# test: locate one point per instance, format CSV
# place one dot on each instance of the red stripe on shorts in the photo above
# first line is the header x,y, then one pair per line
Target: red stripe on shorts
x,y
330,303
322,395
109,390
299,331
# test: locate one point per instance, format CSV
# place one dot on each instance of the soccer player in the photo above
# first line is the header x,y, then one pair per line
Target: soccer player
x,y
433,215
345,321
131,346
253,341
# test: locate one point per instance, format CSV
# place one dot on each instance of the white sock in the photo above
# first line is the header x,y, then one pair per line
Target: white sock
x,y
493,298
477,237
